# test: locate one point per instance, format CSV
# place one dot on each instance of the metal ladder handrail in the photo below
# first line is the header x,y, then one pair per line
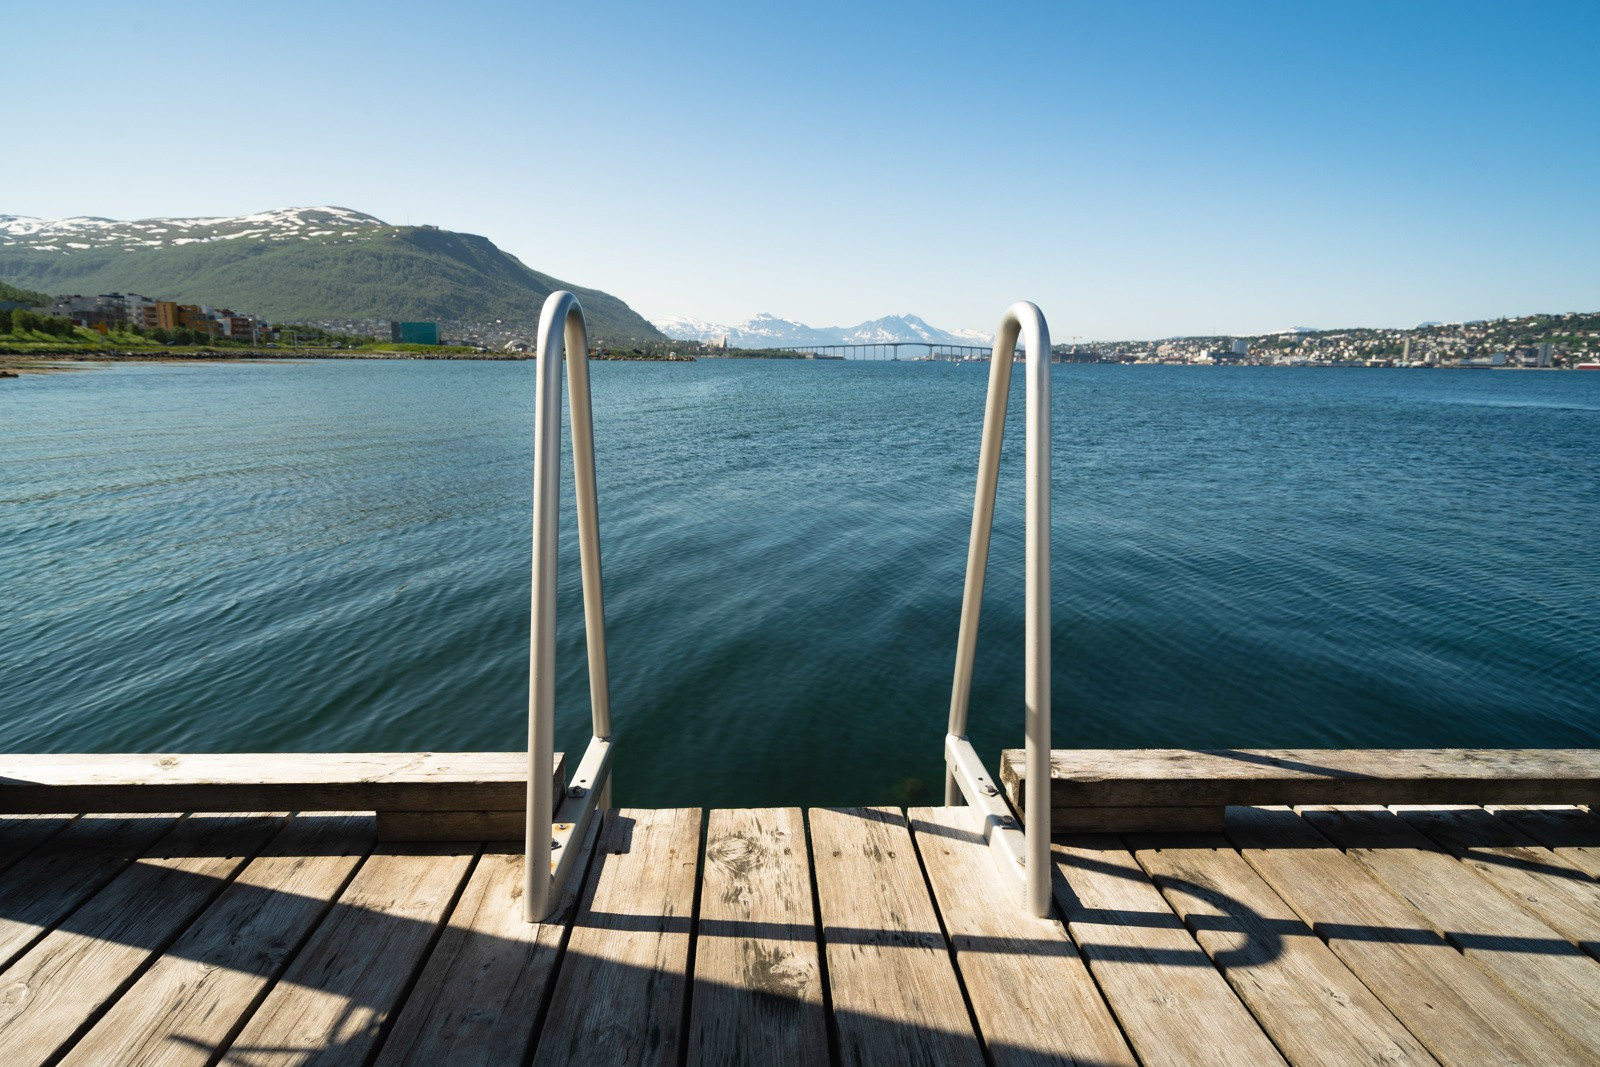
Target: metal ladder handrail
x,y
555,837
1018,856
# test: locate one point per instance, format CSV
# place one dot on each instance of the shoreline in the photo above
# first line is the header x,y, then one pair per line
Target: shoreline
x,y
14,363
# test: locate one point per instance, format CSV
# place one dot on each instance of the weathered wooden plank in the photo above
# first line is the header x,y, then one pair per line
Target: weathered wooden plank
x,y
757,978
1536,962
186,1006
1173,1004
895,994
1136,820
619,997
1539,880
1570,832
1030,990
21,834
52,992
486,981
291,781
1137,778
452,825
52,880
1452,1006
1313,1007
332,1001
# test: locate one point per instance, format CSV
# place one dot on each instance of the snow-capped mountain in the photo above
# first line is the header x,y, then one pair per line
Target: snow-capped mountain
x,y
769,331
85,232
383,271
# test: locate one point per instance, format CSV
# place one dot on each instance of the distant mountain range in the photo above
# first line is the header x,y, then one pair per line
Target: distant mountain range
x,y
297,264
769,331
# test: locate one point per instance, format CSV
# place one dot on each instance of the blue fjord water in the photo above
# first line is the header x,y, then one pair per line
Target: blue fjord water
x,y
334,556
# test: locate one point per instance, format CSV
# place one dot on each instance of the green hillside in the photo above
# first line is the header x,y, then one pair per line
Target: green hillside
x,y
10,294
411,273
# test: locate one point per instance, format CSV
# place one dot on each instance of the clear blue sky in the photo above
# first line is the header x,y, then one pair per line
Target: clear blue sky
x,y
1139,170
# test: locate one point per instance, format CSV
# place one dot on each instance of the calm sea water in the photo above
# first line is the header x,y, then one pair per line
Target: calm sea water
x,y
334,556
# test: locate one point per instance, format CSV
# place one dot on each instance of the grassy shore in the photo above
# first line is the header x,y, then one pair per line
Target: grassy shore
x,y
44,358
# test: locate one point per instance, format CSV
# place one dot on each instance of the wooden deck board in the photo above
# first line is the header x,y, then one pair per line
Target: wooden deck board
x,y
1173,1004
1546,970
185,1008
331,1004
895,994
1572,833
757,996
21,834
619,996
1538,879
56,988
1461,1014
887,939
1313,1007
1030,990
41,888
486,982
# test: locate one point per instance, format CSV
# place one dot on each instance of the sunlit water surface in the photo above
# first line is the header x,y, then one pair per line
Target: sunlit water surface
x,y
335,556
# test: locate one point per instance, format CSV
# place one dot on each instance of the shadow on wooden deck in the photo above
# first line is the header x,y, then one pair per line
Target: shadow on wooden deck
x,y
344,973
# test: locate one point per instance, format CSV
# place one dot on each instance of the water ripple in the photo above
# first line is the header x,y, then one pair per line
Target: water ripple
x,y
335,556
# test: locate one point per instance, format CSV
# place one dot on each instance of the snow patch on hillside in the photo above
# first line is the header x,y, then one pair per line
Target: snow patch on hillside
x,y
91,231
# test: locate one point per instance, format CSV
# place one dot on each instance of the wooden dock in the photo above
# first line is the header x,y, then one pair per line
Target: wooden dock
x,y
1321,935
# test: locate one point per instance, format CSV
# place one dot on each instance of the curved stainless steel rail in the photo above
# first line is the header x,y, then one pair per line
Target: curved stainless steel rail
x,y
554,837
1019,856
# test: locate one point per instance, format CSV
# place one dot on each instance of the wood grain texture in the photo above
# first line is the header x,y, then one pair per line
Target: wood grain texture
x,y
47,995
185,1007
757,996
452,825
896,998
1173,1004
1136,820
1030,990
53,879
1461,1014
480,996
1187,777
1570,832
1545,969
619,996
21,834
289,781
1313,1007
331,1003
1537,878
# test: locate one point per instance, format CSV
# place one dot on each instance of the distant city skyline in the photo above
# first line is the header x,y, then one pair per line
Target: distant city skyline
x,y
1170,170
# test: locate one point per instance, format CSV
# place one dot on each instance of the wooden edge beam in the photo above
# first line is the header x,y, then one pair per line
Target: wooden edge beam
x,y
1185,778
411,782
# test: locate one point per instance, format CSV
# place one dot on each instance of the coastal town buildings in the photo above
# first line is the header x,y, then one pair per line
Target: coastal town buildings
x,y
1533,341
114,311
